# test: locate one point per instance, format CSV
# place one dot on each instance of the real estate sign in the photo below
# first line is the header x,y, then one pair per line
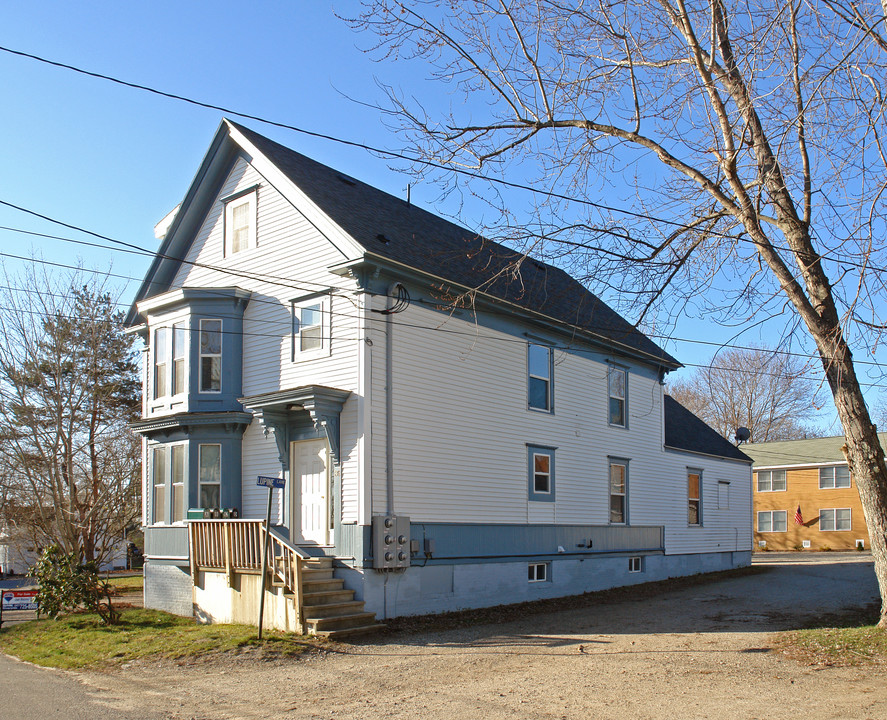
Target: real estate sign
x,y
20,600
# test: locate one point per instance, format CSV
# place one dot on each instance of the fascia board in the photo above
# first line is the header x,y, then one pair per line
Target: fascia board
x,y
338,238
598,340
192,210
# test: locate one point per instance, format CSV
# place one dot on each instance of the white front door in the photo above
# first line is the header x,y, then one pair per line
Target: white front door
x,y
310,483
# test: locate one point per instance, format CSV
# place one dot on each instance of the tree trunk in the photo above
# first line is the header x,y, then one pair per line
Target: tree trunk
x,y
865,457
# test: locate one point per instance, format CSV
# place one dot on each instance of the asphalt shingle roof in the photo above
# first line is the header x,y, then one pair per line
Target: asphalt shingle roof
x,y
811,451
685,431
394,229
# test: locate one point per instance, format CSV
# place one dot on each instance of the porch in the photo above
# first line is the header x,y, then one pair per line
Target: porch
x,y
302,595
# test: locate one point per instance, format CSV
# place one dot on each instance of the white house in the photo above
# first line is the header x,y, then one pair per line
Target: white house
x,y
453,433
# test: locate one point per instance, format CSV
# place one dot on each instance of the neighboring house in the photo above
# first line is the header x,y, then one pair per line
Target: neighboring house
x,y
454,430
805,496
19,552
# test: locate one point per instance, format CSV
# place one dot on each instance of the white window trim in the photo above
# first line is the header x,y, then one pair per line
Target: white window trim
x,y
834,527
533,572
770,472
834,478
158,362
249,197
200,482
771,513
324,300
635,564
201,355
168,494
611,369
167,362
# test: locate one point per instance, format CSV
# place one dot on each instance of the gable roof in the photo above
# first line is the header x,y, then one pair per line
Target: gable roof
x,y
391,229
685,431
811,451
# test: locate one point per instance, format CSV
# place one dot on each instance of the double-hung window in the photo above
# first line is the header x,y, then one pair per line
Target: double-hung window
x,y
210,356
616,383
836,519
179,343
311,327
240,222
210,469
168,484
618,491
161,362
837,476
539,372
771,480
772,521
694,497
540,473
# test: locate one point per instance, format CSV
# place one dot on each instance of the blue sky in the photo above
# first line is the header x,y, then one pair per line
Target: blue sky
x,y
115,160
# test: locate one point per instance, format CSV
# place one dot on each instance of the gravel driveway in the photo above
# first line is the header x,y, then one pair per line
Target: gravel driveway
x,y
700,652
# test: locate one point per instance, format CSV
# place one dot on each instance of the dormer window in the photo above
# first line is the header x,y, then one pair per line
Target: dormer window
x,y
240,222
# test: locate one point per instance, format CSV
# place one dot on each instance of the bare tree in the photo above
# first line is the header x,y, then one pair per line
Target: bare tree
x,y
69,386
768,392
748,136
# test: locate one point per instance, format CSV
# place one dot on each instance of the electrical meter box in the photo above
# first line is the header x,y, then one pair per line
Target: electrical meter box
x,y
391,541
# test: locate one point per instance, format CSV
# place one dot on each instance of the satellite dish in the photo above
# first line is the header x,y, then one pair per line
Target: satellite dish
x,y
742,435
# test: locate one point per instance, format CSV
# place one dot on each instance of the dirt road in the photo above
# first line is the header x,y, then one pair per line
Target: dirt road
x,y
700,652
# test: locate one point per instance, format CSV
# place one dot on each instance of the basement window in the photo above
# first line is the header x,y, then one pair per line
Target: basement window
x,y
537,572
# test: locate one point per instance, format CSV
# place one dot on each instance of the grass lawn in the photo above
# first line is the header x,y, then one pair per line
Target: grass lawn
x,y
124,584
852,639
80,640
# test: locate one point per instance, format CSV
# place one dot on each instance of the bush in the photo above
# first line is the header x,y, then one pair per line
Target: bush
x,y
66,584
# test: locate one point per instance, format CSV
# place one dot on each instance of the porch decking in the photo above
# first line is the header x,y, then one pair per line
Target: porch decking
x,y
321,603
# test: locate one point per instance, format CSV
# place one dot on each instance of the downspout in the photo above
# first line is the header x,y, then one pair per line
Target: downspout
x,y
389,401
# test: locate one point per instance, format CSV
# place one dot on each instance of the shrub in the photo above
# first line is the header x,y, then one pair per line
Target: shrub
x,y
66,584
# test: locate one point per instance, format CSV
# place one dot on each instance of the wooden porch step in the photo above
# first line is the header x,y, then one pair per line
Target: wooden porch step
x,y
314,563
309,573
325,585
324,597
340,622
332,609
350,632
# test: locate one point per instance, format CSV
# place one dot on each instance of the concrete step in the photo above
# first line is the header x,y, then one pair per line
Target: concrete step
x,y
340,622
326,597
350,632
332,609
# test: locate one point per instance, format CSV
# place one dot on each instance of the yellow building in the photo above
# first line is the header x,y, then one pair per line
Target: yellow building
x,y
804,496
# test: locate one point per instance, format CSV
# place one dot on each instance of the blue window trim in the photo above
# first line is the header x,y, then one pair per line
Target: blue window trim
x,y
532,494
550,395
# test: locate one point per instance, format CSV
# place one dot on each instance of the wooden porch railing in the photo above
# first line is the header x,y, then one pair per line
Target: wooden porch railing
x,y
233,546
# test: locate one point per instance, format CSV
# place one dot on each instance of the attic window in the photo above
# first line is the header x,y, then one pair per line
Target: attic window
x,y
240,223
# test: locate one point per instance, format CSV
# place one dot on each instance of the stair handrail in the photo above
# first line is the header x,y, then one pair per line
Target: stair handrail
x,y
286,566
233,545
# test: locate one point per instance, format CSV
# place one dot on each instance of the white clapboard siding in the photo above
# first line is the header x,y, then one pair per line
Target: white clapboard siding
x,y
290,260
461,427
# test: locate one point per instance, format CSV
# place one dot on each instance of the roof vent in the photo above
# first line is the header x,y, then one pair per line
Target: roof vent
x,y
346,180
382,239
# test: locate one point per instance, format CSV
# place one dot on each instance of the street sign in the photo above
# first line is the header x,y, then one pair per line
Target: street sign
x,y
270,482
20,600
